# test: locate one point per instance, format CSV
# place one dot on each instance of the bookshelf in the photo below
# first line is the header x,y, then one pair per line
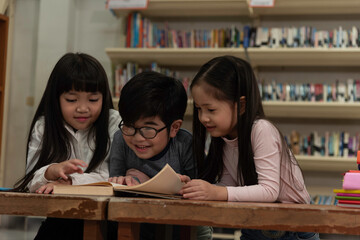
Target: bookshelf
x,y
4,26
186,8
260,58
187,57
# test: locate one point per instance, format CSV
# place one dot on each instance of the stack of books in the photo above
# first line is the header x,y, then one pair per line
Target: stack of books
x,y
349,195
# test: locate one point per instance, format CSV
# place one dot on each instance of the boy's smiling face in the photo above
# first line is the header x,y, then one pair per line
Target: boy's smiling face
x,y
148,148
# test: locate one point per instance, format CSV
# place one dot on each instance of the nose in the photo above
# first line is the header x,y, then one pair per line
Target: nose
x,y
82,108
138,136
203,118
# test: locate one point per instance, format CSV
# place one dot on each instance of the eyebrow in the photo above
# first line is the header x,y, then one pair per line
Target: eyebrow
x,y
203,105
151,123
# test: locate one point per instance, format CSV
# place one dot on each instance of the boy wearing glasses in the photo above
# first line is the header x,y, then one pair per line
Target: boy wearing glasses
x,y
152,107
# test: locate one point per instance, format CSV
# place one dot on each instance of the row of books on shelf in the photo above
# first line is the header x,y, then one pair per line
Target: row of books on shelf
x,y
336,144
123,73
338,91
143,33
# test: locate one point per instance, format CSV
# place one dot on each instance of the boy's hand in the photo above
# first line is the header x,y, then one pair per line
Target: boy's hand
x,y
184,178
202,190
61,170
138,175
127,180
49,187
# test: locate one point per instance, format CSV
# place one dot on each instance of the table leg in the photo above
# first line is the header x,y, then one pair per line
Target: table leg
x,y
92,230
128,231
188,233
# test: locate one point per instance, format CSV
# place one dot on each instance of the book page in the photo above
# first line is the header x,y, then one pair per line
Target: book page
x,y
166,181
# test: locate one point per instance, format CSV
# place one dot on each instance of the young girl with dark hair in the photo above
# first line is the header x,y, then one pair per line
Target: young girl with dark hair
x,y
71,134
248,158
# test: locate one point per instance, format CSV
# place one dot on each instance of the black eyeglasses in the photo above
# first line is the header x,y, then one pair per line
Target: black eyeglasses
x,y
146,132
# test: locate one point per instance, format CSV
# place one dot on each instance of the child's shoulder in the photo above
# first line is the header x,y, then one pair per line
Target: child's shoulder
x,y
39,124
263,126
114,115
183,135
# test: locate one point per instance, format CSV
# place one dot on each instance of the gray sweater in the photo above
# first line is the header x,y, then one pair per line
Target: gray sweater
x,y
178,154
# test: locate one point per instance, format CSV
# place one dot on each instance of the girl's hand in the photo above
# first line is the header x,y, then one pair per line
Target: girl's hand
x,y
49,187
61,170
184,178
142,177
202,190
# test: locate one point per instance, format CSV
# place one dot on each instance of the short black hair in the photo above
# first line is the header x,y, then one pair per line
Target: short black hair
x,y
150,94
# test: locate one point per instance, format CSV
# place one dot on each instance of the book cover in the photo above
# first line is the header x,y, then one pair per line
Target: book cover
x,y
347,198
348,194
348,205
346,191
349,202
351,181
165,184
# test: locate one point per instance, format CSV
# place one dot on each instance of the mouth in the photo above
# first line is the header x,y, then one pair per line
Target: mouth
x,y
82,119
141,148
210,128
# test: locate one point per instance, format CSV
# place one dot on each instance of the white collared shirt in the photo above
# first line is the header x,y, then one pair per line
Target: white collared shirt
x,y
81,148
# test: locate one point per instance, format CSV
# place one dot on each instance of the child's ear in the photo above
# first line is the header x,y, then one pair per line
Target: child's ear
x,y
175,127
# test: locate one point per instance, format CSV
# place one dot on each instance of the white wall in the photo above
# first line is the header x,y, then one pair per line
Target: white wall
x,y
44,30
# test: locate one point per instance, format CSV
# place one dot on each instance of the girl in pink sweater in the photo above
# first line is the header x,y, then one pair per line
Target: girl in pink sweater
x,y
248,158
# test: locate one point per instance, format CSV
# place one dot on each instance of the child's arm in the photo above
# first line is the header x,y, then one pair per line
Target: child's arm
x,y
201,190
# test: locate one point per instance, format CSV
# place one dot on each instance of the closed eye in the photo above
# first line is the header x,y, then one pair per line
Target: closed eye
x,y
70,100
94,100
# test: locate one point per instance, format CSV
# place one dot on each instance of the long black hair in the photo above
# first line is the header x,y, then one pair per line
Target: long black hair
x,y
79,72
229,78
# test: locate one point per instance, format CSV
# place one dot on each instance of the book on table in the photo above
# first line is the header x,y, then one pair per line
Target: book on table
x,y
165,184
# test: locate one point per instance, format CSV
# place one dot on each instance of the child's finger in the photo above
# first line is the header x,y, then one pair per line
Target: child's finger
x,y
41,189
129,181
79,162
63,175
120,180
48,189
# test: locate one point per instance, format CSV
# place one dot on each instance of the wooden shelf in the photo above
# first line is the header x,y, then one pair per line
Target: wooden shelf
x,y
319,110
326,164
258,56
225,8
191,8
310,7
322,110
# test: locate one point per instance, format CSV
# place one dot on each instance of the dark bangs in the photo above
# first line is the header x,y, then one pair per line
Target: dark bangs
x,y
80,74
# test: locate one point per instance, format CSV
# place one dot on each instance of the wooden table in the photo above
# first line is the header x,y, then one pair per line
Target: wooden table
x,y
129,212
92,209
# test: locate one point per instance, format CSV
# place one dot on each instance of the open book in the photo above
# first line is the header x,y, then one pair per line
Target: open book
x,y
165,184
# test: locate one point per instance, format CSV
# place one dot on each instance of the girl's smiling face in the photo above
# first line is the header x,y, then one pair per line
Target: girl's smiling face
x,y
80,109
219,117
